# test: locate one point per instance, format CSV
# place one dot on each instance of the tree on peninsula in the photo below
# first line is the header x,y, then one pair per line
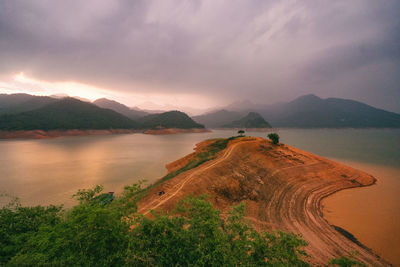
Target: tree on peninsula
x,y
274,137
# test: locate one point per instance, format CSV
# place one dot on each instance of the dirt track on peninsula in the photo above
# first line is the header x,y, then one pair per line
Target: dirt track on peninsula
x,y
282,187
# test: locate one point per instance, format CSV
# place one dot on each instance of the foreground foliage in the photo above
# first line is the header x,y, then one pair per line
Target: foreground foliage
x,y
92,234
96,234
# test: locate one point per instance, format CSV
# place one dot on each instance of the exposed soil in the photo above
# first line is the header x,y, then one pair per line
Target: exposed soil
x,y
282,187
176,131
41,134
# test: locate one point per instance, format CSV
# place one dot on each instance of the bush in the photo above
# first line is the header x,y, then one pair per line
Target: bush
x,y
91,234
18,224
274,137
345,262
196,235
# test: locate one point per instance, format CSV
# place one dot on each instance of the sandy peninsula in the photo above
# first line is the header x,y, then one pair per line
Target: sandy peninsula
x,y
282,188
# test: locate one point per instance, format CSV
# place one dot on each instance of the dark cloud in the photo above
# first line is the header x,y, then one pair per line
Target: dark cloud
x,y
265,51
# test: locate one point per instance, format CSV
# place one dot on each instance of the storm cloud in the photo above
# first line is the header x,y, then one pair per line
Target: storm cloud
x,y
264,51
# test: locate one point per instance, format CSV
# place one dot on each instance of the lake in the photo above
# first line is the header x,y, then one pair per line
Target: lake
x,y
50,171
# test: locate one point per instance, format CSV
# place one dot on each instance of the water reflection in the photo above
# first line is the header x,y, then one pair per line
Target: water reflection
x,y
50,171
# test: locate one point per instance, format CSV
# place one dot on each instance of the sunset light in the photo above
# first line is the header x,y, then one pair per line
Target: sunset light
x,y
199,133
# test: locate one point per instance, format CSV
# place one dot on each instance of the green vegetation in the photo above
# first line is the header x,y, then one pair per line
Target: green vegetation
x,y
251,120
209,154
346,262
274,137
67,113
17,103
45,113
96,233
171,119
91,234
310,111
120,108
241,132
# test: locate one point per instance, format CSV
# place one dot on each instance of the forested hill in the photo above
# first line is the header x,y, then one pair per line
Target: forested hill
x,y
17,103
120,108
71,113
67,113
251,120
170,119
310,111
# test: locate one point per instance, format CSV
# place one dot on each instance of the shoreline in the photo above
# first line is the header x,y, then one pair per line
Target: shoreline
x,y
373,205
42,134
282,187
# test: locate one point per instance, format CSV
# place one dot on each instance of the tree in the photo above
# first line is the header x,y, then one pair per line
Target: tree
x,y
91,234
274,137
241,132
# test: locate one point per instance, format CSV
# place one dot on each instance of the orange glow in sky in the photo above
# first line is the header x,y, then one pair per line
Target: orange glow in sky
x,y
22,83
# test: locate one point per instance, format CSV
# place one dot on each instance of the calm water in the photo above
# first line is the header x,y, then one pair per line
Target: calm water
x,y
50,171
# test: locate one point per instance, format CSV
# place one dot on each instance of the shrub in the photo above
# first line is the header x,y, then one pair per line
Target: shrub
x,y
274,137
241,132
91,234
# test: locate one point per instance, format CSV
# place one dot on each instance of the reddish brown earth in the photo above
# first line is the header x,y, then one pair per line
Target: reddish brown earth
x,y
40,134
282,187
176,131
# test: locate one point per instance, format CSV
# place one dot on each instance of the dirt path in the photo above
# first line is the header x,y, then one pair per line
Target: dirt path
x,y
178,187
282,187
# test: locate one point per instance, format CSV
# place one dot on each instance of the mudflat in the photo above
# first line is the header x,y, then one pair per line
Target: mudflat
x,y
282,188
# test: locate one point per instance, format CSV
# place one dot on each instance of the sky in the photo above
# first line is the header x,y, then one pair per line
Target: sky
x,y
196,55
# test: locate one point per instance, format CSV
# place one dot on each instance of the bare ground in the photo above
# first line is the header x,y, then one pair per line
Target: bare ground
x,y
282,187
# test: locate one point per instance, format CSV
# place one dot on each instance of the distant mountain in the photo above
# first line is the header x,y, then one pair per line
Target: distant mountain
x,y
61,96
310,111
242,105
67,113
170,119
251,120
218,118
16,103
120,108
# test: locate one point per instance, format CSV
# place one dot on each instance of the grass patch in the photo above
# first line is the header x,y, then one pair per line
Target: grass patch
x,y
210,154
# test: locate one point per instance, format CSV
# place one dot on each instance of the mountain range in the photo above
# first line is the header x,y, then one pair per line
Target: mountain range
x,y
120,108
251,120
27,112
308,111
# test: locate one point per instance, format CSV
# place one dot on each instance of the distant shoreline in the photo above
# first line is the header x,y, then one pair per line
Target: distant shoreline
x,y
41,134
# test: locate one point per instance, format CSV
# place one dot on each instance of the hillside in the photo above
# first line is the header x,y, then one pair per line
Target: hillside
x,y
310,111
170,119
281,186
251,120
16,103
67,113
218,118
120,108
